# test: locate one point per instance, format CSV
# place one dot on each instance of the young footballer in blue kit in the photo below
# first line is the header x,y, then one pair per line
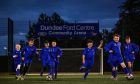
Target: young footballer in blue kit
x,y
47,60
115,57
28,51
56,53
88,57
17,60
130,49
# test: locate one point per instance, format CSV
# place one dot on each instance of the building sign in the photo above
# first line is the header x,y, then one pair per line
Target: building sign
x,y
72,29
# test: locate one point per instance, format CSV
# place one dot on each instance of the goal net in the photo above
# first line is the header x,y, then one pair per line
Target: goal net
x,y
71,61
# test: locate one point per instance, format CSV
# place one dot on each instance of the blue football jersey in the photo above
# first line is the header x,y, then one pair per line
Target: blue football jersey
x,y
45,54
129,48
89,53
115,47
56,51
17,56
29,51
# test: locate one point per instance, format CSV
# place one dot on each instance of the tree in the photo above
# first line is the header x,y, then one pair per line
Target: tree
x,y
32,32
56,19
129,22
44,19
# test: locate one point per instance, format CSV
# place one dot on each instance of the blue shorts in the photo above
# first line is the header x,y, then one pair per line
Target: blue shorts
x,y
47,63
27,61
129,59
115,61
88,65
16,62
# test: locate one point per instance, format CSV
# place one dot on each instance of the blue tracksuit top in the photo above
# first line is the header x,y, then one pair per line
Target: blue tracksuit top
x,y
89,54
115,47
56,51
129,48
29,52
17,57
45,55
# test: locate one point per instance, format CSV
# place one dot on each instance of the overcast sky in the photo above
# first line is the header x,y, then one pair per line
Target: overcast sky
x,y
21,11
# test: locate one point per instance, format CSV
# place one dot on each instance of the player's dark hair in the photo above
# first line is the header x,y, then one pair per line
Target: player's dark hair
x,y
54,41
46,42
30,39
127,37
89,41
116,35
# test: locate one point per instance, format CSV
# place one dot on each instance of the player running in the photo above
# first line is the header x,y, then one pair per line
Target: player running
x,y
56,53
17,60
47,61
130,49
88,57
28,51
115,57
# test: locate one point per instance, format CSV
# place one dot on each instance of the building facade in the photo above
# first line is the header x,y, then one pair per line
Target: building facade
x,y
6,36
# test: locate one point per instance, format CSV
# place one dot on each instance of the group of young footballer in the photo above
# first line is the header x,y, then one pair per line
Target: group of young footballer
x,y
49,56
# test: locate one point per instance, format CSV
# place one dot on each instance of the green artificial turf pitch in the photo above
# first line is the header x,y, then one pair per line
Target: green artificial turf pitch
x,y
70,79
